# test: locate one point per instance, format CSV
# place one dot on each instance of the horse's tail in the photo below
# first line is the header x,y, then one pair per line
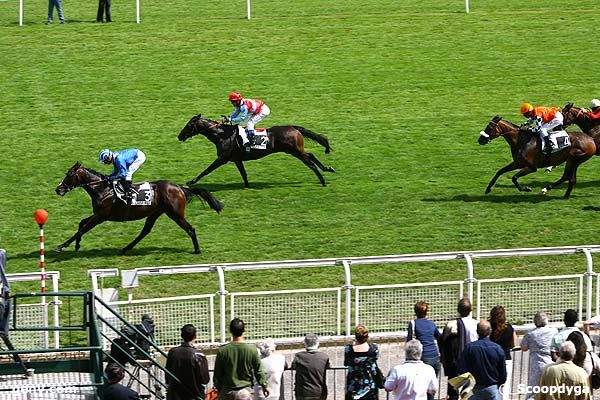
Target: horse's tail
x,y
204,195
322,140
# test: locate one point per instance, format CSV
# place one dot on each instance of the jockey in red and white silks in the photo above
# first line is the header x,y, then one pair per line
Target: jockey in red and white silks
x,y
252,109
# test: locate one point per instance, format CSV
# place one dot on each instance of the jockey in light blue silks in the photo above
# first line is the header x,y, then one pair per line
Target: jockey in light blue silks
x,y
253,109
125,162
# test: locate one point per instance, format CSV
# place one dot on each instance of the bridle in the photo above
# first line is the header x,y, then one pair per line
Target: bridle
x,y
196,130
494,126
71,187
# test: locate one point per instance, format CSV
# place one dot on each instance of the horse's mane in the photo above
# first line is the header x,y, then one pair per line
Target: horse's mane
x,y
93,171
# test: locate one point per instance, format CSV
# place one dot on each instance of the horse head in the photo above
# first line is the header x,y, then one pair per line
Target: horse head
x,y
490,132
77,176
571,114
201,126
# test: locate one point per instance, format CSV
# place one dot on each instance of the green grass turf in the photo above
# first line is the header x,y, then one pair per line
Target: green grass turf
x,y
400,88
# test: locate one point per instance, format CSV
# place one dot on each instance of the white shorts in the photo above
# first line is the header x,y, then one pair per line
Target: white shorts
x,y
141,157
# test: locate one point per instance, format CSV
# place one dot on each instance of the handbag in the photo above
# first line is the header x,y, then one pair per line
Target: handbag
x,y
594,376
212,394
380,379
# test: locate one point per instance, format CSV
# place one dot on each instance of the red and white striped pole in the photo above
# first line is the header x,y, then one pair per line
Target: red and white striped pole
x,y
41,216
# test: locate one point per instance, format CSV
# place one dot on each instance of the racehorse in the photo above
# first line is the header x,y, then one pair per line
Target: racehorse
x,y
527,153
286,139
578,116
169,198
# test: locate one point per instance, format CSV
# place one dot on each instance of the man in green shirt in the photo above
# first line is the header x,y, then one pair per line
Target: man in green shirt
x,y
236,365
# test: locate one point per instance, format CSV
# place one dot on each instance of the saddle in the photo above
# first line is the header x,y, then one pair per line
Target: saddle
x,y
560,139
261,137
141,193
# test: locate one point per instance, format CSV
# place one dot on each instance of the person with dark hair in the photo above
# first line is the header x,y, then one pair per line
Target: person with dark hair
x,y
426,332
570,319
584,358
311,368
189,366
361,359
237,365
485,360
114,390
503,334
456,335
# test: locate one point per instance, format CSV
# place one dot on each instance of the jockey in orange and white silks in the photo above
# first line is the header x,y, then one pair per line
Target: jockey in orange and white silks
x,y
253,110
544,120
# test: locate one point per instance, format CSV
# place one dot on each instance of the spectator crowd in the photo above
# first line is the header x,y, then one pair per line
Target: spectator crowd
x,y
475,356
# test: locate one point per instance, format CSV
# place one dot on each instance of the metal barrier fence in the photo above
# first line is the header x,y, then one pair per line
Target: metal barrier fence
x,y
39,313
384,308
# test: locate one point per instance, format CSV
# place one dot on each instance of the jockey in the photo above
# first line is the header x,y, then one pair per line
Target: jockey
x,y
253,109
595,106
545,120
125,162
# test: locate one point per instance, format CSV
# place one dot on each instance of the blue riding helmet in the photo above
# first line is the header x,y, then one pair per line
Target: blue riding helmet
x,y
105,155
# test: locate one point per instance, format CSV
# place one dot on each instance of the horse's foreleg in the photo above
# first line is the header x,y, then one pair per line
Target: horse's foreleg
x,y
148,225
215,164
187,227
510,167
240,167
523,172
319,163
84,226
308,162
78,239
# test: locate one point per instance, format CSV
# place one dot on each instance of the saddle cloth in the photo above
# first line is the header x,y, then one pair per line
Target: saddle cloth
x,y
560,139
141,193
261,139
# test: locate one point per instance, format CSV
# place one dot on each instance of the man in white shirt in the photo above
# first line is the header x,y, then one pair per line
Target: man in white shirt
x,y
413,379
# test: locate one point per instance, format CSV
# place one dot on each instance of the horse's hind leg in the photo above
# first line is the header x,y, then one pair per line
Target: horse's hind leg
x,y
319,163
310,164
570,174
84,226
148,225
186,226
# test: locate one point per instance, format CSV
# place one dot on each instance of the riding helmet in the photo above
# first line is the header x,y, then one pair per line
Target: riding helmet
x,y
235,96
525,108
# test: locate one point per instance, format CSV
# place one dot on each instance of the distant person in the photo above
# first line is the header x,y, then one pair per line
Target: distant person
x,y
564,373
361,359
125,163
103,9
273,365
537,342
426,332
456,335
237,364
311,368
544,121
59,10
485,360
114,390
570,319
253,110
189,366
413,379
594,115
585,359
504,335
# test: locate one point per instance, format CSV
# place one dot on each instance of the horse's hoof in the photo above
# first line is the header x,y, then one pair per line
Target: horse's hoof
x,y
544,191
57,249
123,251
527,189
331,169
77,248
488,190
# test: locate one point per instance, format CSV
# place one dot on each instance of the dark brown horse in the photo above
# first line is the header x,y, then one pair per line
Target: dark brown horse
x,y
286,139
169,198
578,116
526,150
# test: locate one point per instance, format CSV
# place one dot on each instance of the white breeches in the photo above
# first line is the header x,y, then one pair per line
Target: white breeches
x,y
256,118
558,120
141,157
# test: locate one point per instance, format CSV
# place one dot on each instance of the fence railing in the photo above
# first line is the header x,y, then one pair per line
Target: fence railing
x,y
384,308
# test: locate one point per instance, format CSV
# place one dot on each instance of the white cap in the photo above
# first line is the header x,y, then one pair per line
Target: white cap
x,y
594,103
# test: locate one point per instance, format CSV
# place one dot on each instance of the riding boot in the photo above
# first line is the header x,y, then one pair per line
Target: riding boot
x,y
548,145
127,190
250,136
